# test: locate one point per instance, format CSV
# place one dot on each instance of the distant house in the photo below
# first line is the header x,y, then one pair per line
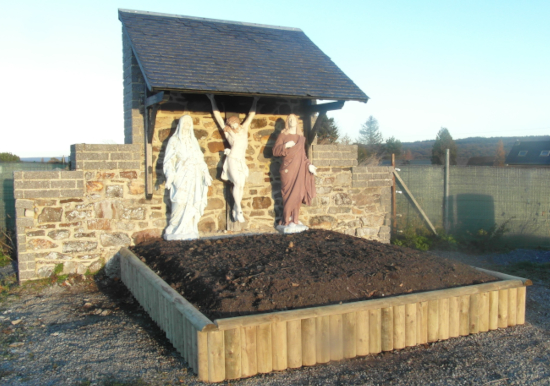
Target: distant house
x,y
529,154
481,161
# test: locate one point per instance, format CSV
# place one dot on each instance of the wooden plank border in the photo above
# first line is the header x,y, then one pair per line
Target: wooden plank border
x,y
244,346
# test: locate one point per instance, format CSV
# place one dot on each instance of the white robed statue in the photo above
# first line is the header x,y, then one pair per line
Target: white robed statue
x,y
187,179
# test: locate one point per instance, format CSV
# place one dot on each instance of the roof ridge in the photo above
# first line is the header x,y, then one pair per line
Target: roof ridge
x,y
209,20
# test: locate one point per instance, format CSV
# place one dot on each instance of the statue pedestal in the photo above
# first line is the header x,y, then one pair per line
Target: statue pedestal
x,y
292,228
182,236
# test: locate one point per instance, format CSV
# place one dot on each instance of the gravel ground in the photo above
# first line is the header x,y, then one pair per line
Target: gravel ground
x,y
93,333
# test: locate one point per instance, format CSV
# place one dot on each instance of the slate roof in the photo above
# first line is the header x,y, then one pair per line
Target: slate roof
x,y
203,55
531,153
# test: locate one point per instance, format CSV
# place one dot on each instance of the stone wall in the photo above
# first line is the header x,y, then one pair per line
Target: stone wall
x,y
351,199
81,218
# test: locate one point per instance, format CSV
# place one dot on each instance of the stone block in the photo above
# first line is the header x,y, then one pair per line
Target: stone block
x,y
118,239
122,156
63,184
323,222
59,234
125,226
26,204
114,191
339,209
342,179
79,246
129,165
36,244
24,222
81,235
94,186
27,275
56,256
77,214
33,184
24,257
145,235
207,226
35,233
321,162
136,187
53,193
133,148
72,175
133,214
366,232
85,156
99,224
130,174
72,193
17,175
359,184
261,202
215,203
49,214
41,175
342,199
98,165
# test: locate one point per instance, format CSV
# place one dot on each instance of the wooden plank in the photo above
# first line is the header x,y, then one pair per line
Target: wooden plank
x,y
474,314
484,312
349,322
232,347
503,308
410,324
322,340
154,99
444,319
504,276
416,204
512,306
309,340
216,361
386,329
422,322
464,321
433,320
178,318
362,345
364,305
324,107
520,313
493,310
399,327
336,337
375,331
265,348
183,332
279,344
189,341
454,317
294,343
202,356
249,360
200,322
195,349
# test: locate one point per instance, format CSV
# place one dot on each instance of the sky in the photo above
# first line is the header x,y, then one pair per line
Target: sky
x,y
478,68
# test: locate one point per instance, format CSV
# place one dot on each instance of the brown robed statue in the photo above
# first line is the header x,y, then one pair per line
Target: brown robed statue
x,y
297,175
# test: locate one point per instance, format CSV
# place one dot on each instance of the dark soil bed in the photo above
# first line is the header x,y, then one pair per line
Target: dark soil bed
x,y
270,272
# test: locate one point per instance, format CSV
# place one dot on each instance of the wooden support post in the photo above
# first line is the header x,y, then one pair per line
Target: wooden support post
x,y
464,322
386,329
249,362
232,346
280,348
294,343
375,331
349,322
484,312
216,362
362,345
336,338
520,317
265,348
503,308
399,327
202,355
444,322
416,204
474,314
393,200
309,339
512,306
433,320
322,341
454,317
422,322
493,310
410,324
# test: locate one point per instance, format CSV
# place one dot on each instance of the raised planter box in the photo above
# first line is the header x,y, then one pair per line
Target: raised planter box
x,y
244,346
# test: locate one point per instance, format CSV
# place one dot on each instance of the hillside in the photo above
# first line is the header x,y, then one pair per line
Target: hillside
x,y
469,147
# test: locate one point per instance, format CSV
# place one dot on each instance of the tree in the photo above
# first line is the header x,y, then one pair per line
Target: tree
x,y
443,141
328,131
393,146
370,136
500,155
345,140
9,157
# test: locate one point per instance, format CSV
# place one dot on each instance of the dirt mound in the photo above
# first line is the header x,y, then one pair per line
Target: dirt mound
x,y
251,274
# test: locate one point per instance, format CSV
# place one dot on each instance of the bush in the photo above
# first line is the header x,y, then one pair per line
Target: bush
x,y
9,157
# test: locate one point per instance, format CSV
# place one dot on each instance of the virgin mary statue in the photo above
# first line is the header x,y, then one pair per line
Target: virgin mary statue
x,y
187,179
